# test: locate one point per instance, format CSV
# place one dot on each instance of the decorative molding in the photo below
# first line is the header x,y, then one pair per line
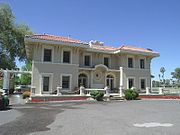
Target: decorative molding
x,y
64,64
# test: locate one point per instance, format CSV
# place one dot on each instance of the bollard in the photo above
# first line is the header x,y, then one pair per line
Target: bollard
x,y
147,91
160,90
59,90
82,91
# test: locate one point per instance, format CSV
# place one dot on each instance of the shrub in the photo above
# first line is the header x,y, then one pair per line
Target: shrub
x,y
26,94
131,94
98,95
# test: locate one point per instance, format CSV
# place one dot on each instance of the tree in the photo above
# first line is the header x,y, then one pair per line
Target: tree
x,y
11,38
167,82
162,70
176,74
25,79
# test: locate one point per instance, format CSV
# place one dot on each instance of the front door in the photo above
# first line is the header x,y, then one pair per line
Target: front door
x,y
110,81
82,80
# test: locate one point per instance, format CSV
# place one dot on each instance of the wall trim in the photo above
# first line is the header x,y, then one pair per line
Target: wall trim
x,y
64,64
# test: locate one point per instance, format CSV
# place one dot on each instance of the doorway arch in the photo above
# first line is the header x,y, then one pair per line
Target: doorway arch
x,y
110,81
83,80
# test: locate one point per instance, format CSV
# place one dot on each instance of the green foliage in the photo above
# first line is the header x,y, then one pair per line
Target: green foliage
x,y
131,94
98,95
1,84
176,74
11,38
26,94
162,70
25,79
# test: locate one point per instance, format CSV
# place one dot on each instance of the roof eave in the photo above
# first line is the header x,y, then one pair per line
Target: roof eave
x,y
83,45
153,54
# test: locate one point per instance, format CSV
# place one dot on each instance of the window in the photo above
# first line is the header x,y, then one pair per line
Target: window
x,y
46,83
143,84
66,82
130,82
130,62
66,56
142,63
106,61
87,60
47,55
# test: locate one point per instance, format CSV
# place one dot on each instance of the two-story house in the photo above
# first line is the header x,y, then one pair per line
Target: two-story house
x,y
69,63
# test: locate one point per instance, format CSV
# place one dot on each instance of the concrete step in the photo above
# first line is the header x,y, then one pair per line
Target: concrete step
x,y
116,98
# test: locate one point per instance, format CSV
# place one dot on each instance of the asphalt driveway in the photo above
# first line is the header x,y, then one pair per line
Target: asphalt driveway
x,y
143,117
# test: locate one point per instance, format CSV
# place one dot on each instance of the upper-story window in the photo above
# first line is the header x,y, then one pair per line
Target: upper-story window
x,y
142,63
66,57
130,62
106,61
87,60
47,55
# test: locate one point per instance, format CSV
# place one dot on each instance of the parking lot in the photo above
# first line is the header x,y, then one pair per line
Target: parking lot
x,y
150,117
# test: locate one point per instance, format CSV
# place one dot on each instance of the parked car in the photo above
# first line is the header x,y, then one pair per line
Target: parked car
x,y
21,88
4,100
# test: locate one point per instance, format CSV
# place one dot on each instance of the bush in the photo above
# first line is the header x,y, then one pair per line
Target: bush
x,y
26,94
98,95
131,94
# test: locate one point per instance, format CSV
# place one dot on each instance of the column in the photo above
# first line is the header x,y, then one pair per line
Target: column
x,y
121,82
6,81
91,79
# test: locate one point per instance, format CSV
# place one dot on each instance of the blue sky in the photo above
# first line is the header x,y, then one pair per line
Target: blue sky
x,y
144,23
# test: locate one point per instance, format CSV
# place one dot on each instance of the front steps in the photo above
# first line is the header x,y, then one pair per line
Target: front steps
x,y
115,96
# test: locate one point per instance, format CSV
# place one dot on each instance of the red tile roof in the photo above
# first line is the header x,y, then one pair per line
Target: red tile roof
x,y
123,47
132,48
53,38
98,47
105,48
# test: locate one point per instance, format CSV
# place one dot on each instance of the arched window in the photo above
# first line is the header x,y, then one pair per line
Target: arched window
x,y
82,80
110,81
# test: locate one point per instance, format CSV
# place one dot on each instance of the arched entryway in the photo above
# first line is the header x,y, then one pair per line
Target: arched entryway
x,y
83,80
110,81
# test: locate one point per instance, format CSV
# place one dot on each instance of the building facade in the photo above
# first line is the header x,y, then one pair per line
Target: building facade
x,y
68,63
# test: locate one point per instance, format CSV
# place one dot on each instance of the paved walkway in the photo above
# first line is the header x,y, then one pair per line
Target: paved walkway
x,y
16,99
142,117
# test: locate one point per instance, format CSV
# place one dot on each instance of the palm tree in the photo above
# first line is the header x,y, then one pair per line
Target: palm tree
x,y
162,70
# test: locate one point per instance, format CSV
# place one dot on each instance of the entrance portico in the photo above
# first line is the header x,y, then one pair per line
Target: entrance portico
x,y
99,77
